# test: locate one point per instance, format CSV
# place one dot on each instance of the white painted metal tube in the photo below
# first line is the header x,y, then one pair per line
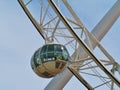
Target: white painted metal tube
x,y
99,31
107,21
82,43
39,29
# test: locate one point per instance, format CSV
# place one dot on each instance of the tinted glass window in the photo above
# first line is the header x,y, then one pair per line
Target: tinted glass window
x,y
50,48
65,54
36,58
44,48
59,48
53,52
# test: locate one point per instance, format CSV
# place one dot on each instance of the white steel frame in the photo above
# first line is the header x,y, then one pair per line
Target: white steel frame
x,y
86,46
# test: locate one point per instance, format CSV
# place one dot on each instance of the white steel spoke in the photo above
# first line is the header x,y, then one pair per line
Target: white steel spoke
x,y
66,28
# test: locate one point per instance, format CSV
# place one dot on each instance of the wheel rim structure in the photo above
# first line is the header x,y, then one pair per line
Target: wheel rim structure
x,y
54,26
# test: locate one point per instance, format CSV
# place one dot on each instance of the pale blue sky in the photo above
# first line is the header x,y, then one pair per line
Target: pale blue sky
x,y
19,39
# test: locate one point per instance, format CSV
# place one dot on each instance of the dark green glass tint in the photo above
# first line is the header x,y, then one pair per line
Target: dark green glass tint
x,y
51,52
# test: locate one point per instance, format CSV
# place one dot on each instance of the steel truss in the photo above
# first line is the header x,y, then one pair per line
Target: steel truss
x,y
68,30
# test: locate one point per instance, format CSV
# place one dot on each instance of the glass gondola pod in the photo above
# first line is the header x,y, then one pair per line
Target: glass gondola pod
x,y
49,60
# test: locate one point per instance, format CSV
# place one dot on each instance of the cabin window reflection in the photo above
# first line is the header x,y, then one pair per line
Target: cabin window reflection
x,y
65,54
53,52
36,58
43,53
58,52
50,52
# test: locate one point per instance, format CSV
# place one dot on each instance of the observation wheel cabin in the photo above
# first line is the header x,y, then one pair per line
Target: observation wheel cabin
x,y
50,60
